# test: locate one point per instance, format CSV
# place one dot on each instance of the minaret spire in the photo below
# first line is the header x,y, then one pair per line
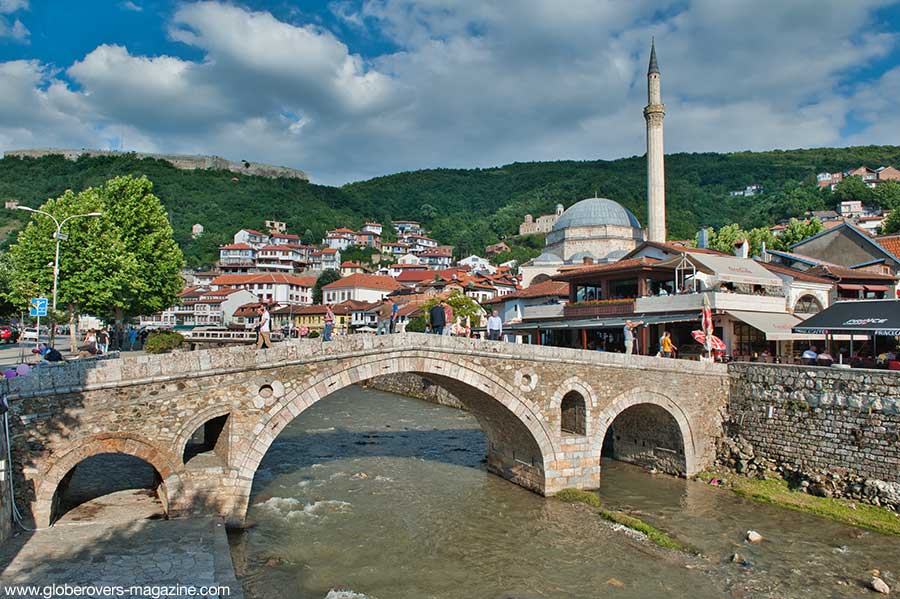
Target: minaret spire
x,y
654,113
654,67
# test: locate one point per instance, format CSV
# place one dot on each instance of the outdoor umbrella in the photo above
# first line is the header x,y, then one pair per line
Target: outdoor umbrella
x,y
714,343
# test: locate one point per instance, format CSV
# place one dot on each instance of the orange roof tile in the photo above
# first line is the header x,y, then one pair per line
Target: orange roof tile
x,y
364,281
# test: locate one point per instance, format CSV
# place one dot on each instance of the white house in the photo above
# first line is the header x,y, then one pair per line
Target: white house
x,y
374,228
436,260
340,239
331,258
477,264
359,287
270,287
407,259
251,237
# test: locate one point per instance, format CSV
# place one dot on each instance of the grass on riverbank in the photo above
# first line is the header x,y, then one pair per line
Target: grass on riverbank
x,y
777,492
654,534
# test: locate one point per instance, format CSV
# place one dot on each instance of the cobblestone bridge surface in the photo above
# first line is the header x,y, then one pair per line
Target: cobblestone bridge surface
x,y
204,419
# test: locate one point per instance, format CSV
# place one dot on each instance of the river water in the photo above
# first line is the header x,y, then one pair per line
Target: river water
x,y
369,494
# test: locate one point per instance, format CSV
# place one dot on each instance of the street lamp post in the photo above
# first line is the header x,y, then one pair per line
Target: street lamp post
x,y
58,236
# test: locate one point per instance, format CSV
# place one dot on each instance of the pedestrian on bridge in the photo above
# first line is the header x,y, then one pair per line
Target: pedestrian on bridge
x,y
385,317
628,330
494,326
264,328
437,318
329,323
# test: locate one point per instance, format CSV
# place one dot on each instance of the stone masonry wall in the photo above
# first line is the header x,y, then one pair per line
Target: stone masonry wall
x,y
418,387
831,432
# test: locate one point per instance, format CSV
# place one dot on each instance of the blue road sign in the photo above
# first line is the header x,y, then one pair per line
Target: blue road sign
x,y
38,306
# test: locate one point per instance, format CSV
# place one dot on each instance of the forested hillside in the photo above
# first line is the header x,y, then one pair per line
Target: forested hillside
x,y
466,208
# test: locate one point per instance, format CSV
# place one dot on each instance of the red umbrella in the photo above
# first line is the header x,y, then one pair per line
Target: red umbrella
x,y
715,343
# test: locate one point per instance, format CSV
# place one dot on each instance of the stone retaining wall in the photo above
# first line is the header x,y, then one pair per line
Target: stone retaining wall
x,y
832,432
412,385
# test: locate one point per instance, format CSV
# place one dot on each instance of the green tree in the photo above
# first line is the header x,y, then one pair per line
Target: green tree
x,y
329,275
887,195
796,231
463,306
125,262
892,223
852,188
142,225
308,237
724,239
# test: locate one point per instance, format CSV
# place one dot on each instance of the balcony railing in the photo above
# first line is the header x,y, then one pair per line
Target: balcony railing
x,y
599,308
717,301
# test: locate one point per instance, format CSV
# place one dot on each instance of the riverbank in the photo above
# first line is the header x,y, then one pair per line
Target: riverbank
x,y
177,557
777,492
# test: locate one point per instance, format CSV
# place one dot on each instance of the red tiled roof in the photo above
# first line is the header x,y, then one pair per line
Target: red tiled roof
x,y
842,273
612,267
416,276
343,230
797,274
349,264
285,236
236,246
891,244
329,251
246,279
254,232
364,281
544,289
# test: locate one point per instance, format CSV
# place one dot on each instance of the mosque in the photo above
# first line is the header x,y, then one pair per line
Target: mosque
x,y
600,230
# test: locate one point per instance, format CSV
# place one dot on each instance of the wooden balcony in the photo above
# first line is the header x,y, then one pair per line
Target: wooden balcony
x,y
601,308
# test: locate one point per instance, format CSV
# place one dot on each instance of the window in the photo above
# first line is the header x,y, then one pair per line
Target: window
x,y
808,304
572,413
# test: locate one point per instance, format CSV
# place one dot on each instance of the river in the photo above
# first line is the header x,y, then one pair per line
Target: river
x,y
369,494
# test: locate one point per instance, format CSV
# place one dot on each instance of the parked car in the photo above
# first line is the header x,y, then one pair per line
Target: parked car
x,y
8,334
29,334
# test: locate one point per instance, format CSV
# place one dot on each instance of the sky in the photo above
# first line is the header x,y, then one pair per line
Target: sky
x,y
352,89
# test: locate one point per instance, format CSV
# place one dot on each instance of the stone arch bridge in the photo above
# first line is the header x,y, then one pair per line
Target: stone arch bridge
x,y
545,412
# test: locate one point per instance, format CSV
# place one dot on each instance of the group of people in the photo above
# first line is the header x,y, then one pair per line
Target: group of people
x,y
441,322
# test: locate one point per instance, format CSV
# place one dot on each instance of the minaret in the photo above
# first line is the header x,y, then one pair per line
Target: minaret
x,y
656,176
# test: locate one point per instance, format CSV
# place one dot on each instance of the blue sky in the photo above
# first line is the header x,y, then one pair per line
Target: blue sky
x,y
350,89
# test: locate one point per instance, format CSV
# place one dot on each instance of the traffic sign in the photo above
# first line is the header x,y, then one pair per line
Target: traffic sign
x,y
38,306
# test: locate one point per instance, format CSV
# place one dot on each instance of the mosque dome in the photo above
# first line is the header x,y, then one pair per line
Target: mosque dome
x,y
596,212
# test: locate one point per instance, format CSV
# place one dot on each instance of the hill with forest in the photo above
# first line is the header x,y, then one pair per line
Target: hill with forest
x,y
468,208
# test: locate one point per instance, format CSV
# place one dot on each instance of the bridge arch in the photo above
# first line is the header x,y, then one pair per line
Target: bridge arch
x,y
659,404
520,442
165,464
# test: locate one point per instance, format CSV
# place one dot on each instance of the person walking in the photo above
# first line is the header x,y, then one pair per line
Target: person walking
x,y
103,341
628,330
329,323
494,326
265,328
437,318
385,315
448,318
666,347
132,337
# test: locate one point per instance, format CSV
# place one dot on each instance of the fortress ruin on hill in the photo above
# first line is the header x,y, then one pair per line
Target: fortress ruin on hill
x,y
185,162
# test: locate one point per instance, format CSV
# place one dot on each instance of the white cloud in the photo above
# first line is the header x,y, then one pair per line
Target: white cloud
x,y
15,30
10,6
473,83
129,5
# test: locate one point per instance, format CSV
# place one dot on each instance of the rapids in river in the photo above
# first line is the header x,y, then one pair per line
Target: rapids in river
x,y
373,495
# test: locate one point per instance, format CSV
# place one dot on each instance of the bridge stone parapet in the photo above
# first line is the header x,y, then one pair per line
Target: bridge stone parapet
x,y
152,406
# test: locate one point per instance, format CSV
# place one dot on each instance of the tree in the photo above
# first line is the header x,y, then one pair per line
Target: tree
x,y
329,275
463,306
308,237
887,195
144,230
892,223
852,188
125,262
796,231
